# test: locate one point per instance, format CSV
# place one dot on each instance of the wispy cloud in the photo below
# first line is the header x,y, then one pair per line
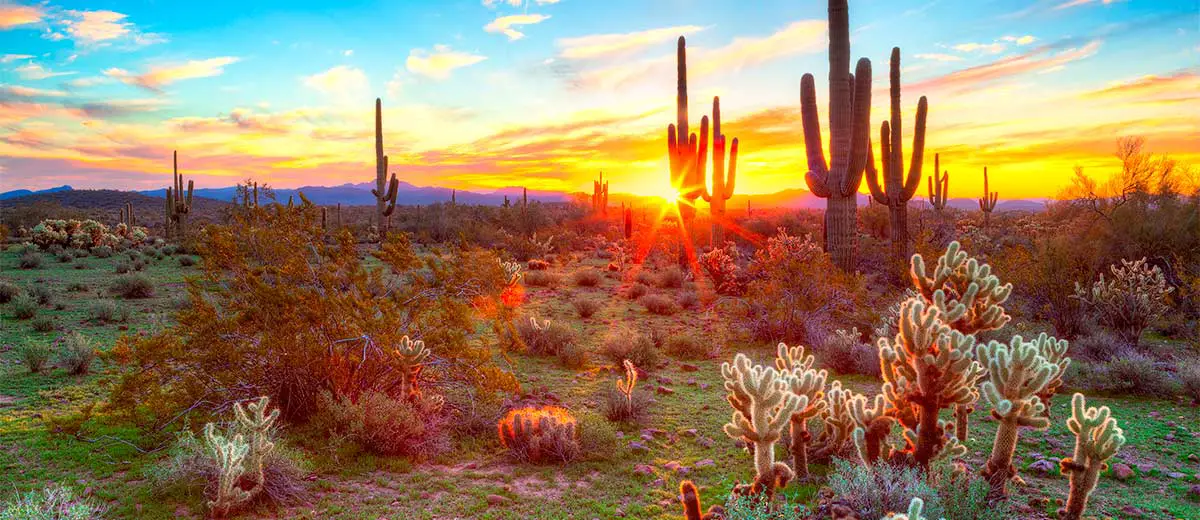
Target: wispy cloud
x,y
16,15
1020,40
938,57
342,82
1076,3
19,91
608,45
1039,59
439,62
99,28
9,58
506,24
33,71
159,76
990,48
1177,86
120,107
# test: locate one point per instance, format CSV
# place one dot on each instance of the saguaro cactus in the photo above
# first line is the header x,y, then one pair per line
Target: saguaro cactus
x,y
178,205
688,155
1017,374
1097,439
987,203
939,186
849,137
762,406
385,192
722,186
808,383
600,196
898,188
126,216
628,217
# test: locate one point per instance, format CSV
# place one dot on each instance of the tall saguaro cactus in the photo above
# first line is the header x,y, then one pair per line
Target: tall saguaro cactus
x,y
897,188
722,186
126,216
987,203
384,191
939,186
600,196
178,205
849,137
688,154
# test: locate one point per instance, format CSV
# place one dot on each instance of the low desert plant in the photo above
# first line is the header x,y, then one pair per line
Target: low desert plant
x,y
76,353
8,291
30,260
77,287
132,286
1098,345
538,265
108,311
1189,378
660,304
545,338
65,256
102,251
121,267
542,279
873,491
644,277
187,260
1130,300
43,324
573,355
24,306
845,353
586,278
35,355
671,278
79,265
586,307
387,425
42,294
597,438
51,503
541,434
636,291
687,347
623,343
619,407
1132,372
689,300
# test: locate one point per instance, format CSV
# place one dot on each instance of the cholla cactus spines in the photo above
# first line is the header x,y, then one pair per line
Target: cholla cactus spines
x,y
849,137
548,433
513,271
1097,439
762,406
927,367
810,384
627,385
385,191
1130,299
411,356
1017,374
539,326
966,291
939,186
837,421
916,511
600,196
872,426
1053,351
722,185
898,188
690,497
987,203
256,419
230,455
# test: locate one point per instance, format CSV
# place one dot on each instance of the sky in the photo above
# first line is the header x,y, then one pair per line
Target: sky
x,y
548,93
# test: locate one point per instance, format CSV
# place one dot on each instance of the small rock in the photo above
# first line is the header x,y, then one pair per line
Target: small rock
x,y
664,380
691,432
1194,491
664,390
673,465
1176,475
1122,471
704,463
1155,415
1192,457
688,367
497,500
643,469
647,436
704,386
1042,466
691,381
638,447
706,442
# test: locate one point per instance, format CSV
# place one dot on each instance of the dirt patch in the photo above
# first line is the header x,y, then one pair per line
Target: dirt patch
x,y
8,400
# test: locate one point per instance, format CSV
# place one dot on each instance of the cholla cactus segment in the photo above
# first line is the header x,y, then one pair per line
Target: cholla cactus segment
x,y
969,295
872,426
513,271
915,511
256,419
809,384
229,455
838,422
762,407
1097,439
1129,300
626,386
539,327
412,352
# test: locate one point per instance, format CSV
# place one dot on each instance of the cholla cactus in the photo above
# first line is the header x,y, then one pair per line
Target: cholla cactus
x,y
762,406
539,327
927,367
809,384
512,272
230,454
968,291
915,511
626,386
838,422
258,422
872,426
1097,439
1130,300
1017,374
411,356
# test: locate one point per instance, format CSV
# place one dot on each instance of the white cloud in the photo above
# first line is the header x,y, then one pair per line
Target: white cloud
x,y
1020,40
990,48
440,62
341,82
938,57
33,71
505,24
9,58
603,45
161,75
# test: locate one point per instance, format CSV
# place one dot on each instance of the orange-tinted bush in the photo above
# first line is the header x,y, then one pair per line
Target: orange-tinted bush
x,y
542,434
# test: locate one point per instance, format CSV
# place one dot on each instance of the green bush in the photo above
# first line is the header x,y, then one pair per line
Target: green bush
x,y
51,503
385,425
586,307
545,340
42,294
108,311
616,407
597,437
79,265
8,291
132,286
35,355
573,355
102,251
876,490
542,279
30,260
77,287
76,354
1136,373
1189,377
187,260
121,267
65,256
24,306
43,324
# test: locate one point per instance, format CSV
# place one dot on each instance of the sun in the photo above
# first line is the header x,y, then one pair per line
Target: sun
x,y
669,195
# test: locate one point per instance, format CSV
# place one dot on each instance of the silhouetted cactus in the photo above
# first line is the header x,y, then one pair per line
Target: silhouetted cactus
x,y
628,218
126,216
1097,439
600,196
723,180
849,137
987,203
939,186
177,205
687,154
385,191
898,188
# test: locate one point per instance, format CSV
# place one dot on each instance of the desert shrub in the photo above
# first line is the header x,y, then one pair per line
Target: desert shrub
x,y
51,503
280,311
1128,302
65,256
573,355
586,278
43,324
542,279
845,353
964,495
121,267
597,437
541,434
102,251
874,491
687,347
1132,372
79,265
108,311
538,265
1189,378
24,306
30,260
751,507
722,267
586,307
55,249
76,353
187,260
545,338
615,406
35,355
138,265
42,294
623,343
132,286
636,291
387,425
660,304
1097,345
77,287
670,278
644,277
8,291
689,301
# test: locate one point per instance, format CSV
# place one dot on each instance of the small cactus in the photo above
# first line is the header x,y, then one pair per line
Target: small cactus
x,y
627,385
690,497
411,356
915,511
544,434
1097,439
230,456
808,383
939,186
600,196
987,203
762,406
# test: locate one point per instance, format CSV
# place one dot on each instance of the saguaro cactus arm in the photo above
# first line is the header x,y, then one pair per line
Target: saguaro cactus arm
x,y
987,202
848,152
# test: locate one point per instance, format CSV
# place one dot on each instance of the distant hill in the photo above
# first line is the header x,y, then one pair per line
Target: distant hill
x,y
360,195
25,193
105,205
